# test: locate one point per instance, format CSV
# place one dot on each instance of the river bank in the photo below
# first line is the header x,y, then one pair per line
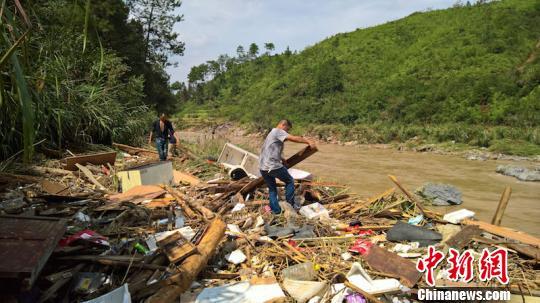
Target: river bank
x,y
364,168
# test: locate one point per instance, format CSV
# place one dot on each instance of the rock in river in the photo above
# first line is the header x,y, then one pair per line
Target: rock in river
x,y
522,173
441,194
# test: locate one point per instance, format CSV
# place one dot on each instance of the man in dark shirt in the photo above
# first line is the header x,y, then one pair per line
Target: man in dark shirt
x,y
161,128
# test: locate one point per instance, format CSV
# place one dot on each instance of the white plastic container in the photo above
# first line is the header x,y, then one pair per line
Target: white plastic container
x,y
457,216
314,211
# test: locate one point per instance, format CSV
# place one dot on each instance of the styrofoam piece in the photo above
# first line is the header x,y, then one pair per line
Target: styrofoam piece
x,y
314,211
259,221
302,291
361,279
236,257
233,230
299,174
457,216
119,295
242,292
238,207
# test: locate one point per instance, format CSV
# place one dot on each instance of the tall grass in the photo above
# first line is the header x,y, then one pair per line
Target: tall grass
x,y
51,89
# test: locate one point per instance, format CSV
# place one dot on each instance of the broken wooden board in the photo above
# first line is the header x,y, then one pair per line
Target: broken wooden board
x,y
292,161
53,188
390,263
96,159
90,176
505,232
182,177
138,194
463,237
25,246
176,247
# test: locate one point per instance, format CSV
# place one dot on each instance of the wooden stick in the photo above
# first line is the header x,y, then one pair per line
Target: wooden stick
x,y
185,207
497,218
292,161
411,197
505,232
372,200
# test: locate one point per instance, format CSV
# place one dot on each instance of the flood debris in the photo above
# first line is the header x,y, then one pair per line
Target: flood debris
x,y
90,235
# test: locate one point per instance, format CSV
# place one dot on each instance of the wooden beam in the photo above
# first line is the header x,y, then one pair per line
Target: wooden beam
x,y
192,265
464,236
497,218
96,159
292,161
505,232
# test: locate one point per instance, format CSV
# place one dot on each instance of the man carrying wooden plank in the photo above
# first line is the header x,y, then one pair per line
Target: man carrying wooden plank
x,y
272,164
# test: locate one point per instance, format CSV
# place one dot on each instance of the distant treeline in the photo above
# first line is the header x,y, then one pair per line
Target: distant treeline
x,y
470,65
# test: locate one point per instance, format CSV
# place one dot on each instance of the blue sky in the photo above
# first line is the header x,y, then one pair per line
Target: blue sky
x,y
214,27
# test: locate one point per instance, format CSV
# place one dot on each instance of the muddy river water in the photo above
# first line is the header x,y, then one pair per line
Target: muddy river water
x,y
365,170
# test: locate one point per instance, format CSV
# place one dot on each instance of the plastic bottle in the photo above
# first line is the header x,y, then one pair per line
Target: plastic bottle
x,y
140,248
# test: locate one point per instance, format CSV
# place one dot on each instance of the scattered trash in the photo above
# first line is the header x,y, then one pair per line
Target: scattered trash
x,y
314,211
257,290
406,232
416,220
119,295
159,239
236,257
360,278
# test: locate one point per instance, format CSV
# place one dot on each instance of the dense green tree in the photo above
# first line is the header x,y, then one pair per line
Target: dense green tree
x,y
158,18
269,47
253,50
470,67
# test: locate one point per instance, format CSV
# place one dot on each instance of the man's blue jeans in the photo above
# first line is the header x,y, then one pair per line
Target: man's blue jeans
x,y
162,148
270,179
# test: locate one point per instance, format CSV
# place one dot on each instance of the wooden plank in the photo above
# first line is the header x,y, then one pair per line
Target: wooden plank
x,y
12,178
292,161
505,232
53,188
176,247
464,236
182,177
25,246
497,217
387,262
96,159
90,176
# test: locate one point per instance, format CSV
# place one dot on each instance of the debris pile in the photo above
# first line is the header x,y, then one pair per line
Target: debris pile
x,y
135,230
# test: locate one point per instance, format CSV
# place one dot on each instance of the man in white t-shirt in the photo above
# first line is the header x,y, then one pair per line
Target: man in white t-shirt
x,y
272,164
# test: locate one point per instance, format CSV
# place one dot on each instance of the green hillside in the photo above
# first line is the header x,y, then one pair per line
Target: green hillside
x,y
468,68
